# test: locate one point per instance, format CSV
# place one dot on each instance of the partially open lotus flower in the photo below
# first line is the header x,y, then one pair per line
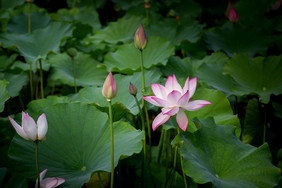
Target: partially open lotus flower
x,y
174,100
140,38
29,129
232,15
48,182
109,90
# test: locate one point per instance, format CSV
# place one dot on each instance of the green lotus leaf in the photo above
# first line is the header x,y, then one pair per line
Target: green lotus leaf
x,y
127,58
7,4
237,40
121,31
7,61
214,154
4,95
40,42
253,124
19,24
77,144
126,4
94,94
258,75
220,109
86,68
16,82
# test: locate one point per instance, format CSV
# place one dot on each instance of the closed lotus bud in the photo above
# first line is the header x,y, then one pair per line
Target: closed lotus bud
x,y
140,38
72,52
29,1
132,89
233,16
109,90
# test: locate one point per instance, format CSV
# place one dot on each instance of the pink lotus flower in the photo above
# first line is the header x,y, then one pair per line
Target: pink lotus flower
x,y
174,100
48,182
29,129
233,16
109,90
140,38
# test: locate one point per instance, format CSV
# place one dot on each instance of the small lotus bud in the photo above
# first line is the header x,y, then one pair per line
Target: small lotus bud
x,y
29,1
140,38
132,89
109,90
233,16
72,52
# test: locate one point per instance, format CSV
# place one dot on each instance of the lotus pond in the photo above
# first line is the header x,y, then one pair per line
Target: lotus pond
x,y
134,93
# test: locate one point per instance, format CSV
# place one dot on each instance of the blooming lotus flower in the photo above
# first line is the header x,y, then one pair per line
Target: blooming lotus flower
x,y
29,129
232,15
109,90
174,100
48,182
140,38
132,89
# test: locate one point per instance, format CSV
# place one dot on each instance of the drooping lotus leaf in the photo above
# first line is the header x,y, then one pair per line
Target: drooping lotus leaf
x,y
253,124
258,75
6,61
219,109
39,43
19,24
94,94
121,31
16,82
127,58
77,144
238,40
4,95
214,154
87,71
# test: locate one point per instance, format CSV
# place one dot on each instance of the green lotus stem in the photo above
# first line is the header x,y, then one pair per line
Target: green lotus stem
x,y
144,102
30,81
264,125
161,146
29,18
74,76
147,16
144,141
73,4
36,162
181,161
41,80
112,143
174,166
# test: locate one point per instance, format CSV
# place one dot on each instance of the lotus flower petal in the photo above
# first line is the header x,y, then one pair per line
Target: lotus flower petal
x,y
170,111
196,105
192,86
159,120
186,85
18,128
48,182
184,99
42,126
173,97
172,84
163,103
150,100
29,126
182,120
159,91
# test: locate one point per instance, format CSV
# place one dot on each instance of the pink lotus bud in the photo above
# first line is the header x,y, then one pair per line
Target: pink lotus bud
x,y
132,89
140,38
109,90
233,16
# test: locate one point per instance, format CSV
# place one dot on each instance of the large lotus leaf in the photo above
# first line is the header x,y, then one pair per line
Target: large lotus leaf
x,y
175,33
16,82
77,144
19,24
7,4
127,58
186,9
84,15
214,154
121,31
220,109
4,95
6,61
86,70
39,43
126,4
34,66
94,94
238,40
258,75
253,124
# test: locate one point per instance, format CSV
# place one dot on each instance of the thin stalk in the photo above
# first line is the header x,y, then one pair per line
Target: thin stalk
x,y
181,161
73,4
36,82
37,164
144,141
264,124
31,81
41,80
144,102
74,76
29,18
112,143
174,166
53,87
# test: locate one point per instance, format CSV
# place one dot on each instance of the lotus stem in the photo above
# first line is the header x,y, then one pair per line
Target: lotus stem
x,y
36,162
31,81
144,103
112,143
181,161
41,80
29,18
174,166
74,76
